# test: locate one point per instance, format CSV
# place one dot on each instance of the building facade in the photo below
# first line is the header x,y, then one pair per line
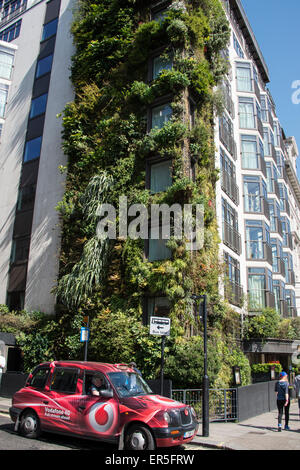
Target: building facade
x,y
258,195
34,90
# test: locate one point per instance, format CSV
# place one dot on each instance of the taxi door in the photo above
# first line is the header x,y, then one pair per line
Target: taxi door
x,y
99,415
60,401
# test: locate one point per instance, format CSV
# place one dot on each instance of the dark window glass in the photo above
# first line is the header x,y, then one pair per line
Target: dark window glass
x,y
38,105
40,377
50,29
32,149
64,380
44,66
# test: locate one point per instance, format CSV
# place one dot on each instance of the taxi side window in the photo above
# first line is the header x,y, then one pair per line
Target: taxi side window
x,y
64,380
39,377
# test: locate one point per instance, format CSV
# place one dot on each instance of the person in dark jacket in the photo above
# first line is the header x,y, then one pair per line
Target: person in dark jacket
x,y
283,400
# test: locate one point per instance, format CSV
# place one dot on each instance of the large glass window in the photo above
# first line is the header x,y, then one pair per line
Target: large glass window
x,y
247,113
161,115
38,105
160,176
255,190
11,33
161,63
39,377
6,63
44,66
32,149
20,249
3,98
250,155
243,75
257,239
257,288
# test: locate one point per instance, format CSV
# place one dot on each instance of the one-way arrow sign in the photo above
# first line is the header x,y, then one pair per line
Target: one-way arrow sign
x,y
160,326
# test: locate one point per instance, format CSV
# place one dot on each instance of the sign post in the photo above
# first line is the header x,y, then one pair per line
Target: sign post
x,y
85,336
160,326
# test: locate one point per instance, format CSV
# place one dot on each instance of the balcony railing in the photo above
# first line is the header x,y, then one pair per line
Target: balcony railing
x,y
276,226
256,204
260,298
227,140
231,237
259,251
233,293
230,187
12,14
278,266
229,105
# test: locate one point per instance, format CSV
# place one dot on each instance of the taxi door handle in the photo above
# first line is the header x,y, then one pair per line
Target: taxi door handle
x,y
81,408
46,402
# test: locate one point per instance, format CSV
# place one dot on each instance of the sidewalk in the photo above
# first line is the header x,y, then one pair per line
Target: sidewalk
x,y
258,433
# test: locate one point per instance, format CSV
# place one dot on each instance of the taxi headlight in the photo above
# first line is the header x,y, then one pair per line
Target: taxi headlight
x,y
167,417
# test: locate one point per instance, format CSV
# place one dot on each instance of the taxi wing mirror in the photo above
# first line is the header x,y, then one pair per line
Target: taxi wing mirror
x,y
107,393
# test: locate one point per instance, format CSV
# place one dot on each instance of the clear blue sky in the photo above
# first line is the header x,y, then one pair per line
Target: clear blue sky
x,y
275,24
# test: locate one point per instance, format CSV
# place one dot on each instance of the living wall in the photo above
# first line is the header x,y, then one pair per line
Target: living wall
x,y
107,139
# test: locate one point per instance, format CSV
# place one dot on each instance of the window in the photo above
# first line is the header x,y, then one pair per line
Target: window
x,y
158,250
44,66
274,210
38,105
255,192
237,47
260,288
64,380
280,164
50,29
161,63
32,149
258,240
39,377
279,294
160,176
6,63
243,76
250,155
11,33
272,178
286,229
269,149
157,307
3,98
16,300
233,268
277,254
160,115
26,198
20,250
247,114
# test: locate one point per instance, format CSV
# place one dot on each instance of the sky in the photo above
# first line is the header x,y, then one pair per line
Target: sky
x,y
275,24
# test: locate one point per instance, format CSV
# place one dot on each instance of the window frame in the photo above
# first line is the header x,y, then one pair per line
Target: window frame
x,y
75,370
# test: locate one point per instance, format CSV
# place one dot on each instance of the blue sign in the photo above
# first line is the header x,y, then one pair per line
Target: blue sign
x,y
84,334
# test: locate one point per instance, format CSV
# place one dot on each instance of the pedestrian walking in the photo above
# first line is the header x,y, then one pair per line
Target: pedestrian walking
x,y
2,361
283,400
297,388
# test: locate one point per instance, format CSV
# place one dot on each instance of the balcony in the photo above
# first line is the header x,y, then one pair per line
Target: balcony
x,y
231,237
10,13
260,298
278,266
227,139
254,204
230,187
233,293
258,250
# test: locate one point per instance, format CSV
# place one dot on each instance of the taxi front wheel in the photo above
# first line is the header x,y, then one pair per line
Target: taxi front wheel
x,y
30,425
139,438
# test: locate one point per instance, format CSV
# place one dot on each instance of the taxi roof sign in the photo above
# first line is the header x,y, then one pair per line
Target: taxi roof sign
x,y
160,326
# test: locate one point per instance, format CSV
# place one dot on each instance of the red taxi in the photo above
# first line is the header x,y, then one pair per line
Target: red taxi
x,y
57,398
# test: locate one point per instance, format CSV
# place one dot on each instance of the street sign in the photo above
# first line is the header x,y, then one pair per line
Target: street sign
x,y
84,334
160,326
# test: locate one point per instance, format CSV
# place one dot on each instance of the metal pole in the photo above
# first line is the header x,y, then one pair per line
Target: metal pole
x,y
163,338
86,342
205,401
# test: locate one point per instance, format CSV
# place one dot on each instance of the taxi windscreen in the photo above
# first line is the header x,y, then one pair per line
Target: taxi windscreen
x,y
129,384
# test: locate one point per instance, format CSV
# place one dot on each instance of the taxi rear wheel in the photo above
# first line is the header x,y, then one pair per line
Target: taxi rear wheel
x,y
139,438
30,425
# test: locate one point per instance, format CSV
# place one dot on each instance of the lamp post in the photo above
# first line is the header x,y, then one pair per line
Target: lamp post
x,y
205,387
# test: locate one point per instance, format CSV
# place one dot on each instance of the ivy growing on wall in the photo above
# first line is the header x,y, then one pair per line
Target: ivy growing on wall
x,y
108,142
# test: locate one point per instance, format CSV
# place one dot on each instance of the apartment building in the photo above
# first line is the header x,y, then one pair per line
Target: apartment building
x,y
34,88
258,194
